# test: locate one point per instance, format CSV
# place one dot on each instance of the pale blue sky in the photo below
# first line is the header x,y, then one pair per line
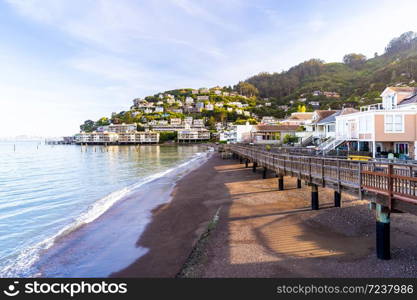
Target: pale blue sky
x,y
64,61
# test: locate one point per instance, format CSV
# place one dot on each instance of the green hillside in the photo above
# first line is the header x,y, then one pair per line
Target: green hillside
x,y
358,80
314,84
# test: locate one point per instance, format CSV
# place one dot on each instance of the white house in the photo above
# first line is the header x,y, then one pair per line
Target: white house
x,y
237,134
202,98
209,106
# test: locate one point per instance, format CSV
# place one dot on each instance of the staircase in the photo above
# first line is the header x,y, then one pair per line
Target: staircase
x,y
330,144
307,141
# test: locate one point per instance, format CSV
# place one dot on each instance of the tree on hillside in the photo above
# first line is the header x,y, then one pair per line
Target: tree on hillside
x,y
103,121
301,108
354,60
246,89
88,126
407,40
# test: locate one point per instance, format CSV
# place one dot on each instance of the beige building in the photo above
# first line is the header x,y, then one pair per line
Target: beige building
x,y
271,134
193,135
384,129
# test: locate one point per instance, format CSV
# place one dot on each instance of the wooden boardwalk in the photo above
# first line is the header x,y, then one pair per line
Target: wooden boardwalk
x,y
390,187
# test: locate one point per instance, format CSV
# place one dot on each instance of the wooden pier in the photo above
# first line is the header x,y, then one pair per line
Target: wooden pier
x,y
390,187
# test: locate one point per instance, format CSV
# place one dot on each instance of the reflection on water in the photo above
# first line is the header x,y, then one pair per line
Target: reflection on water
x,y
45,188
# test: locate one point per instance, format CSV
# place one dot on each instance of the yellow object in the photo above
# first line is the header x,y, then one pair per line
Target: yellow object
x,y
359,157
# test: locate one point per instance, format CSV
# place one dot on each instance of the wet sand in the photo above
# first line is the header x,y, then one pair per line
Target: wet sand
x,y
262,232
176,226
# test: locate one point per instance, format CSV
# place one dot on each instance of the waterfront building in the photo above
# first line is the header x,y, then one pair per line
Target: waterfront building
x,y
271,134
119,128
389,127
237,134
138,137
96,137
193,135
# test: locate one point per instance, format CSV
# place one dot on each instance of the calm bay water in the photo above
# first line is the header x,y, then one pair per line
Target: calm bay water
x,y
49,191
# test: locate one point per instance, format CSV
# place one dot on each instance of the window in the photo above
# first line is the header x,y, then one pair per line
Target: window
x,y
401,148
331,128
389,102
365,124
394,123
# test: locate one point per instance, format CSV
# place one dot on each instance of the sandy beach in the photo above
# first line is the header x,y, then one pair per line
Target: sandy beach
x,y
263,232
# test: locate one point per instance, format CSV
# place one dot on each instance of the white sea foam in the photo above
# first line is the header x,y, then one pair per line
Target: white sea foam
x,y
23,265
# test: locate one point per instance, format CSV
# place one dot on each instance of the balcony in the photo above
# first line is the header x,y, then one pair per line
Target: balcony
x,y
377,107
372,107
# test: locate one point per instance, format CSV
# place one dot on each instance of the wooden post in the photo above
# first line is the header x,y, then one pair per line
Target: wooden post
x,y
382,214
322,172
337,199
298,183
390,184
246,163
264,173
280,183
360,181
254,165
241,160
314,197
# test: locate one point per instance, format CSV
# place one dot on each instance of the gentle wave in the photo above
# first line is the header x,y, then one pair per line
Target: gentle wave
x,y
23,265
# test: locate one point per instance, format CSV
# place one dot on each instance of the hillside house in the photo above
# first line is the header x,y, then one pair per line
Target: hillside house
x,y
269,120
203,98
299,118
209,106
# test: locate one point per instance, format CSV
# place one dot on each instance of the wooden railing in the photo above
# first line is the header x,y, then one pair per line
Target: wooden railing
x,y
393,181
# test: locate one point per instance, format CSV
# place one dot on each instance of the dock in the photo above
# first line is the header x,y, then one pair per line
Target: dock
x,y
389,187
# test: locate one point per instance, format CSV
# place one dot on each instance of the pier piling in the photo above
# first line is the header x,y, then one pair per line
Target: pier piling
x,y
337,198
280,183
254,167
298,183
382,214
246,163
314,197
264,173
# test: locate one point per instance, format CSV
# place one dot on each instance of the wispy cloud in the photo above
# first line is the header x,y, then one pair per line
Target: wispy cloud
x,y
101,54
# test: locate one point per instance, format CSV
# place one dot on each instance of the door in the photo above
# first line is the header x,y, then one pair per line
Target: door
x,y
353,129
